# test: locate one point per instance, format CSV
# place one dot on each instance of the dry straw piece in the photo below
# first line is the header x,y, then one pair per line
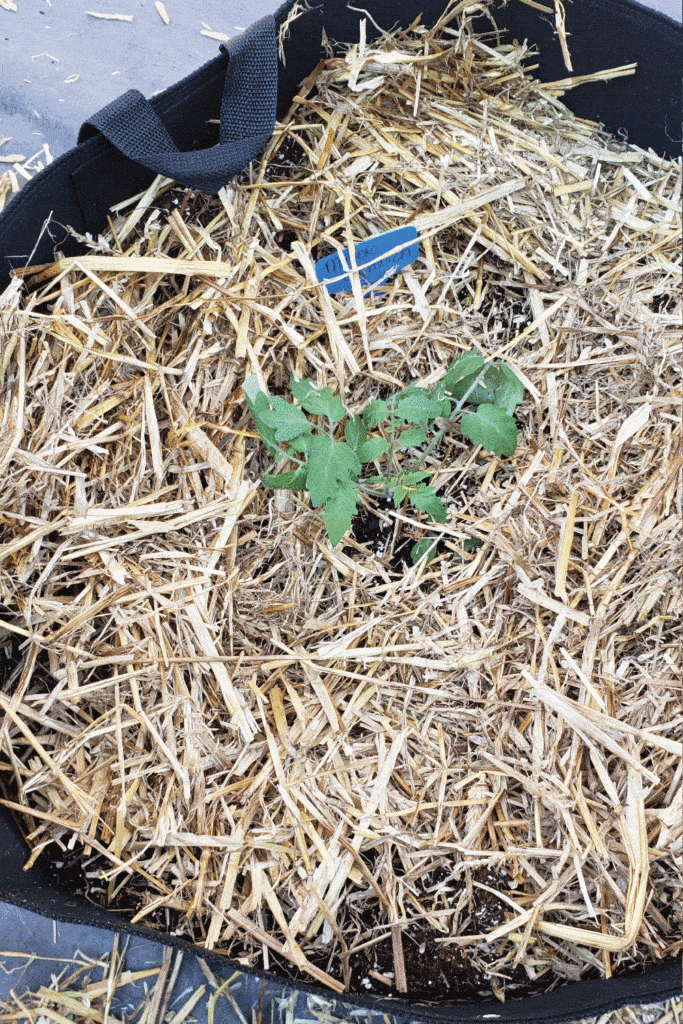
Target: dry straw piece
x,y
22,170
294,754
85,990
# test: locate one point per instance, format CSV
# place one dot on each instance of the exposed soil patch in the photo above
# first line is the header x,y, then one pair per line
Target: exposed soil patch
x,y
435,972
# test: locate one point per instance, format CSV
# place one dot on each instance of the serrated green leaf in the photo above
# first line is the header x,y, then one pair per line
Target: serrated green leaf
x,y
427,546
510,391
319,401
355,432
372,449
413,477
339,511
375,411
418,407
411,438
425,499
287,419
406,483
292,480
330,463
491,427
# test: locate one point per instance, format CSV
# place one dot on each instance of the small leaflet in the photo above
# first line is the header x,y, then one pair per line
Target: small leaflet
x,y
371,260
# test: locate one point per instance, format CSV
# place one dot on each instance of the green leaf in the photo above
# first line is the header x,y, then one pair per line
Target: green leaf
x,y
425,499
375,411
413,477
355,432
330,463
510,391
418,407
426,546
467,364
287,419
408,391
257,403
339,511
251,388
372,449
405,483
302,443
469,546
491,427
319,401
292,480
268,435
479,393
411,438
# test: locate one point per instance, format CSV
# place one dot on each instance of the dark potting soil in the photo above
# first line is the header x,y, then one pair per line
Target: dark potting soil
x,y
377,529
436,972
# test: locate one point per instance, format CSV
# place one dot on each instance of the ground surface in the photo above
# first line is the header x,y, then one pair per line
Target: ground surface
x,y
59,65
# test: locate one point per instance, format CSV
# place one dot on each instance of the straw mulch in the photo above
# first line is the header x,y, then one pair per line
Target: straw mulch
x,y
91,991
309,758
16,169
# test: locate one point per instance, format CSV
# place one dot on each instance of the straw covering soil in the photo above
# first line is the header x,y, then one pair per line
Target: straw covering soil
x,y
447,781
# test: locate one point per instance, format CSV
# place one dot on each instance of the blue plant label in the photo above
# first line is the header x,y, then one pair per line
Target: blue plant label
x,y
372,263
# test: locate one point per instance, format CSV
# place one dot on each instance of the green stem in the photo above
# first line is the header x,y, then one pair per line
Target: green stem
x,y
458,409
430,447
392,453
287,455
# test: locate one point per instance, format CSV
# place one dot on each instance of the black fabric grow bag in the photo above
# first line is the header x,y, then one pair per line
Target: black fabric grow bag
x,y
120,150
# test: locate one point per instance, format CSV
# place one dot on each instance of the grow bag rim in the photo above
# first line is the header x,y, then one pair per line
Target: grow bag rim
x,y
70,173
579,999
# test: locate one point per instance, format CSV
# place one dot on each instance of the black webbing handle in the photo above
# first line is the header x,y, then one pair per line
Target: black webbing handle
x,y
248,110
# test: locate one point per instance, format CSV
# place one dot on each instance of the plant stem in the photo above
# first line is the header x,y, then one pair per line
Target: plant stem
x,y
458,409
391,454
287,455
367,489
430,447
